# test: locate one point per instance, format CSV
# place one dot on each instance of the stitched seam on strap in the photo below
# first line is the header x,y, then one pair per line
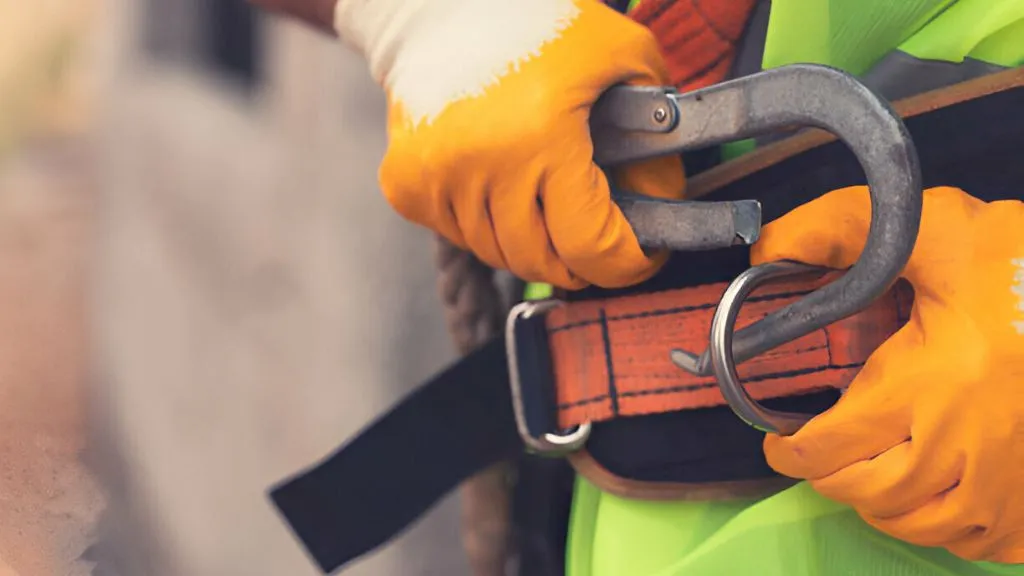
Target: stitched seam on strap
x,y
613,393
696,387
668,311
828,344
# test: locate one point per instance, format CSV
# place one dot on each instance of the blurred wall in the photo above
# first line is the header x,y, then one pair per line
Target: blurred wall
x,y
254,301
48,502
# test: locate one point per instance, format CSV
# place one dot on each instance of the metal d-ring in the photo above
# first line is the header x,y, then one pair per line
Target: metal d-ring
x,y
720,350
548,444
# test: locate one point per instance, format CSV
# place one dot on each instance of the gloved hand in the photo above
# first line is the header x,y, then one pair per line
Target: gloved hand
x,y
927,444
488,137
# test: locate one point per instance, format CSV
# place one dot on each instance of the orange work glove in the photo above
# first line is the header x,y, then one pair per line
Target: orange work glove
x,y
927,444
488,136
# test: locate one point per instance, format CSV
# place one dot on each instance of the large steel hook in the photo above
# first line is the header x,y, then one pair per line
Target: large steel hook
x,y
631,123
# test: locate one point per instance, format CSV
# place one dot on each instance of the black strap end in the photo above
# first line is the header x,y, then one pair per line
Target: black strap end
x,y
378,484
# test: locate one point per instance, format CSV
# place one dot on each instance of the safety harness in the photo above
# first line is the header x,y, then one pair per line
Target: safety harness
x,y
607,364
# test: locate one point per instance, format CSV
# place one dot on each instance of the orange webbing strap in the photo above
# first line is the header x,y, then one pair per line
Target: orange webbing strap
x,y
611,357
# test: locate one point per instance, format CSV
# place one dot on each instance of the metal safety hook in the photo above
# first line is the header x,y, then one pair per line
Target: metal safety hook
x,y
630,124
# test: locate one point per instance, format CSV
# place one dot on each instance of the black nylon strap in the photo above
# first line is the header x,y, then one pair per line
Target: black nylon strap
x,y
358,498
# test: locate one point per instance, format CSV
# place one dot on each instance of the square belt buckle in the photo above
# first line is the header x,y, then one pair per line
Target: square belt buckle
x,y
523,321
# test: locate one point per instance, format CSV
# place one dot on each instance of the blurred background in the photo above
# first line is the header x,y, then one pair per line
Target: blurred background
x,y
201,290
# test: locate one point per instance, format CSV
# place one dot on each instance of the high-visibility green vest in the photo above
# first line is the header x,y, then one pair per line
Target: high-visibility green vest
x,y
797,532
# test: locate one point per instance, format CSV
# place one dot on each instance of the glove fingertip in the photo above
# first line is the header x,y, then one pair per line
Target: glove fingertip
x,y
829,231
655,261
779,454
660,177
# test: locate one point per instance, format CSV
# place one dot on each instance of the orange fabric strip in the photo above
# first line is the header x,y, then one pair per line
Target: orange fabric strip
x,y
611,357
697,37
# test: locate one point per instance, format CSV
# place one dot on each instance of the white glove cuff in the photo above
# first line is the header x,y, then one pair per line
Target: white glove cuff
x,y
430,53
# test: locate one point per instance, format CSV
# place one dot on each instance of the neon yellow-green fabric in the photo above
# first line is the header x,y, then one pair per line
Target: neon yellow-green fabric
x,y
987,30
538,291
797,532
794,533
848,34
854,35
1005,47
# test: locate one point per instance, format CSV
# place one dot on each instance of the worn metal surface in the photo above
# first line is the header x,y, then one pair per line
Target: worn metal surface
x,y
721,342
793,96
779,99
547,444
633,108
691,226
618,116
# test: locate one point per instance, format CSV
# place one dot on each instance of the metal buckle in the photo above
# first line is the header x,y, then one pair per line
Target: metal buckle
x,y
549,444
720,361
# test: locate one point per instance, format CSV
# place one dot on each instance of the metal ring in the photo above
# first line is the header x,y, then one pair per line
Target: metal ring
x,y
793,96
549,444
721,351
